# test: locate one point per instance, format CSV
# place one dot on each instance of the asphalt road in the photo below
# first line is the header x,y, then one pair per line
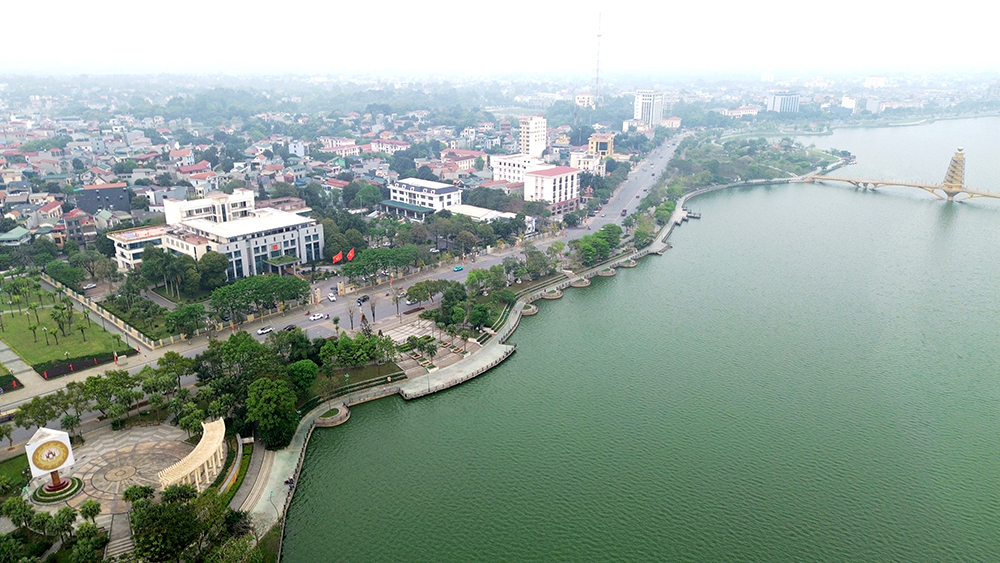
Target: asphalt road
x,y
639,180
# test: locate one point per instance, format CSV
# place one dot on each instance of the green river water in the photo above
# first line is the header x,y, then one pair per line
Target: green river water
x,y
811,374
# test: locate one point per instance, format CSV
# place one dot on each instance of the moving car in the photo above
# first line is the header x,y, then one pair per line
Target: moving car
x,y
315,316
458,268
362,299
265,329
289,328
89,286
332,296
604,214
624,212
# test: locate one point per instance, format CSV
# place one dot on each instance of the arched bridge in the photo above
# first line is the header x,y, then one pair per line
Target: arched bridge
x,y
953,185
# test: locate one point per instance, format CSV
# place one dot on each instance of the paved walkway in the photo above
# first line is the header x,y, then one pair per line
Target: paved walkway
x,y
21,370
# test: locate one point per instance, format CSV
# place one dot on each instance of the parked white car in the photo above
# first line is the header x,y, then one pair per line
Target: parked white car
x,y
89,286
332,296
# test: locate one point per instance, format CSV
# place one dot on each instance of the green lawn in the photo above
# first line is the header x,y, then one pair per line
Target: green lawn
x,y
20,339
200,296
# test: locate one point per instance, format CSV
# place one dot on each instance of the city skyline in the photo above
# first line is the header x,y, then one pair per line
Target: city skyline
x,y
447,38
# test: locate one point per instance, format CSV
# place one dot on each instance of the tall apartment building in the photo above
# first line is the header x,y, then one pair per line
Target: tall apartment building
x,y
648,107
533,136
783,102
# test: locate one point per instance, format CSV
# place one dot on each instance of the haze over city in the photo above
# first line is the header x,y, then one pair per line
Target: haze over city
x,y
451,38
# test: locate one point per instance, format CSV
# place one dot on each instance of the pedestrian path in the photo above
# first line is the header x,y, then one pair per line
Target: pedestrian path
x,y
18,368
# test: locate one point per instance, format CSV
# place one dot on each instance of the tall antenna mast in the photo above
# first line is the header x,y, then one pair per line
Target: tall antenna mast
x,y
597,77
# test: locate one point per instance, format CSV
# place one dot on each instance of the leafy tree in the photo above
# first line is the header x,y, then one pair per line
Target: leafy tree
x,y
271,404
303,374
7,433
162,531
214,268
20,512
90,510
140,202
187,319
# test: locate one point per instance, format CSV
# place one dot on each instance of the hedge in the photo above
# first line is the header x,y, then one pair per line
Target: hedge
x,y
57,368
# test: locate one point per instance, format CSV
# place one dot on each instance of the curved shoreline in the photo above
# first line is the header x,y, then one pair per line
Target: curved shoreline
x,y
289,461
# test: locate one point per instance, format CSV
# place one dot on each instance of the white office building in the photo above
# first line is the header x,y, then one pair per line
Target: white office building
x,y
648,107
416,198
558,185
215,206
511,168
262,241
533,136
783,102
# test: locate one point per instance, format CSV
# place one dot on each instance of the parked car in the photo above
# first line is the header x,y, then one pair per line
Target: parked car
x,y
408,302
458,268
604,214
434,251
362,299
265,329
332,296
315,316
89,286
289,328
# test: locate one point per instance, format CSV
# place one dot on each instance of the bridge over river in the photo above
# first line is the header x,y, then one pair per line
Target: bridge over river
x,y
953,185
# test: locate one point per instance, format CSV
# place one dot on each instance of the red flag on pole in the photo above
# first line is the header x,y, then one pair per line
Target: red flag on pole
x,y
338,257
350,255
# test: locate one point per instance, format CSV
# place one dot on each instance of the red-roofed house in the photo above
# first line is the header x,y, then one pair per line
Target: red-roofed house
x,y
203,166
559,185
183,157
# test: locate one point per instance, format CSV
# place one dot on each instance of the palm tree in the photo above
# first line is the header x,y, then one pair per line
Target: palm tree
x,y
118,341
82,328
86,315
34,328
33,307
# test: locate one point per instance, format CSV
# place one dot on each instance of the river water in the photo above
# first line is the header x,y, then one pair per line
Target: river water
x,y
811,374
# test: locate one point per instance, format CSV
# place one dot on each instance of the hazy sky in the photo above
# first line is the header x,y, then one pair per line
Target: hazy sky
x,y
450,37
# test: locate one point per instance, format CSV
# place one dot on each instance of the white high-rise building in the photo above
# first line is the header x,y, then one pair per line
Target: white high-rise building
x,y
533,135
649,107
783,102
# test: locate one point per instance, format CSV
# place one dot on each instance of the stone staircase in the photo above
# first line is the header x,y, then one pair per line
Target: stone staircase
x,y
120,537
118,547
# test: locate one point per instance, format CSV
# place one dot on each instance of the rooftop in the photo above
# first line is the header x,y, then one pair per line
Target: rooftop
x,y
427,185
554,171
134,235
265,220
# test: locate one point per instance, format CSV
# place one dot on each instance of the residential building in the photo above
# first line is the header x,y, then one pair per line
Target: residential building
x,y
388,146
533,135
673,122
648,107
587,162
416,198
558,185
783,102
96,197
15,237
217,207
585,100
80,227
157,194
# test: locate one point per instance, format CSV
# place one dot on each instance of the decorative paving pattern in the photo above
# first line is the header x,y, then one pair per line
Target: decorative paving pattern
x,y
111,462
